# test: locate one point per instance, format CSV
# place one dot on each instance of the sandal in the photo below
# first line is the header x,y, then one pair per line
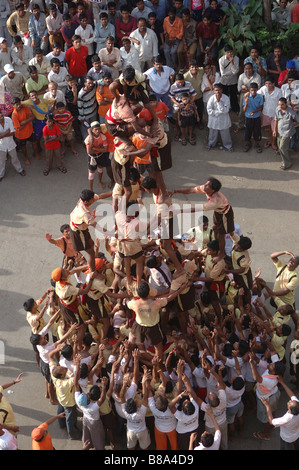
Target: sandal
x,y
267,145
184,142
177,138
192,141
258,148
246,147
46,171
62,169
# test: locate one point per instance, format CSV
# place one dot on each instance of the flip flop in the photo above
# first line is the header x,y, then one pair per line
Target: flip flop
x,y
257,435
267,145
62,169
46,171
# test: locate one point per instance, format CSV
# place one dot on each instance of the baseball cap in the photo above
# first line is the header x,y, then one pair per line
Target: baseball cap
x,y
82,399
95,124
2,40
8,68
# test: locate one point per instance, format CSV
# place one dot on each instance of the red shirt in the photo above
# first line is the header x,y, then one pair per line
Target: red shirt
x,y
295,14
76,60
207,32
47,132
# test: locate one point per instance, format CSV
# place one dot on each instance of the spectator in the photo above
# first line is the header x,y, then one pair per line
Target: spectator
x,y
37,82
281,14
276,63
146,43
18,23
160,79
218,118
129,55
41,439
102,30
208,35
244,82
75,58
21,56
38,29
58,75
284,129
229,72
271,95
8,147
125,24
86,32
110,57
173,33
54,24
68,30
41,62
188,45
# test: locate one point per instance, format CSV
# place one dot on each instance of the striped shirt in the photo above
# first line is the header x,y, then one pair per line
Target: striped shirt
x,y
87,103
63,119
176,91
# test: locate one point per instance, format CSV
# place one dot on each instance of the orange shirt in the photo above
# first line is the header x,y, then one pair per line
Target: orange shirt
x,y
106,93
17,118
174,30
139,142
110,139
46,443
161,111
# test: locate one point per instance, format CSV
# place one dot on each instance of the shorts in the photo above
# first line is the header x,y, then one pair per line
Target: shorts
x,y
152,334
261,409
81,240
102,160
143,437
45,370
234,412
67,137
188,121
121,173
142,168
169,228
224,222
97,307
161,158
22,142
185,301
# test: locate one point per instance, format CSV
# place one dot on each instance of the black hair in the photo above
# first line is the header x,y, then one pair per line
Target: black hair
x,y
179,76
86,195
186,12
32,68
158,60
103,15
214,245
95,393
84,370
28,304
151,262
87,338
124,8
54,60
286,330
283,99
67,351
143,290
38,51
279,368
134,174
149,183
207,439
253,85
172,10
95,58
269,78
238,383
245,243
35,339
188,408
218,85
214,183
227,47
129,73
66,16
292,74
130,406
60,104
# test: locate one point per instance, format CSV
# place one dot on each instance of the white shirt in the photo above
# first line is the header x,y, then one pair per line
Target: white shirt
x,y
148,47
45,349
59,78
87,36
130,58
219,411
59,97
233,397
8,441
270,100
204,84
218,113
21,65
135,421
214,446
164,420
157,280
289,425
91,412
7,143
159,83
200,378
229,71
228,241
187,423
130,393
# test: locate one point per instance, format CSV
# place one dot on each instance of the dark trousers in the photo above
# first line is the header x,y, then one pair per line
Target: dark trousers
x,y
253,128
232,92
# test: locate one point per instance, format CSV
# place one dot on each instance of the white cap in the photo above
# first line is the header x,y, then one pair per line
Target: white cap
x,y
8,68
2,40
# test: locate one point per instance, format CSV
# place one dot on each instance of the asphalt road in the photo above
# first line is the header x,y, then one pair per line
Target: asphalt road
x,y
265,201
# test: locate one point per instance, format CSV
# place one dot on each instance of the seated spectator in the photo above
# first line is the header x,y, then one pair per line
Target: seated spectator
x,y
207,33
124,25
103,29
281,14
38,29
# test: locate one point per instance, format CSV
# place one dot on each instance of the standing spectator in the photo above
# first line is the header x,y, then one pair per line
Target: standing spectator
x,y
194,76
18,23
295,13
13,82
20,56
87,105
179,87
284,129
141,10
129,55
187,118
82,8
110,56
4,14
157,26
8,417
146,42
52,140
229,72
41,439
97,70
71,98
113,13
39,108
64,120
209,78
41,62
283,76
218,108
38,29
252,106
271,95
197,9
22,120
124,25
8,146
53,95
208,441
57,53
54,24
68,30
188,46
208,34
276,63
173,33
281,14
259,64
58,75
86,32
102,30
160,78
36,82
160,7
244,82
216,13
75,58
5,56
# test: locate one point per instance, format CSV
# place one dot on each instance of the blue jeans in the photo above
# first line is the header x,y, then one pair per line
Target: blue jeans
x,y
171,54
70,420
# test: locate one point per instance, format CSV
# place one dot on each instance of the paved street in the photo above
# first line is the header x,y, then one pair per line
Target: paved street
x,y
265,201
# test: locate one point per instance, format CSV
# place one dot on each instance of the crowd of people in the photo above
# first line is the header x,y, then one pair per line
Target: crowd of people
x,y
167,338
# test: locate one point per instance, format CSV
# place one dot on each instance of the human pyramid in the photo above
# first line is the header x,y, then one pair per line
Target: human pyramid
x,y
160,335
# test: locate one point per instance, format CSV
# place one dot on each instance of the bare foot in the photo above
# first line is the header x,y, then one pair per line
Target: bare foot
x,y
53,402
27,162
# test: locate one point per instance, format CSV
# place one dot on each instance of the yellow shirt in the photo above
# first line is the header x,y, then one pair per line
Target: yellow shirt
x,y
214,270
147,311
65,390
43,105
286,280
